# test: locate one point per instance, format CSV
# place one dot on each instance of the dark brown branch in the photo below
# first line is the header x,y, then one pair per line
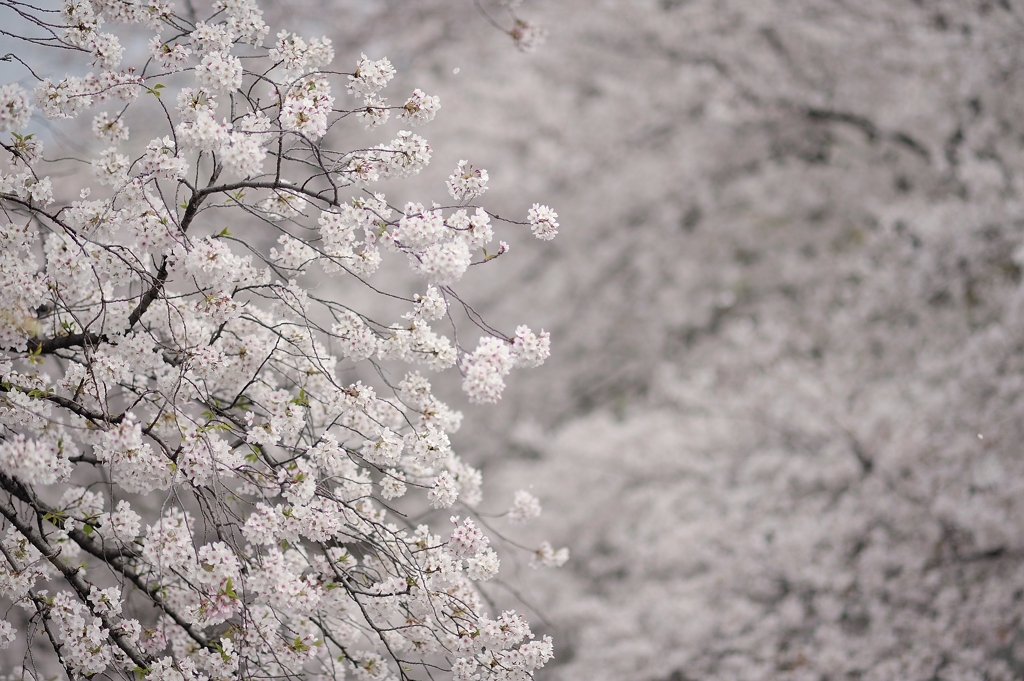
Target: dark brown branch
x,y
46,346
71,406
115,558
73,576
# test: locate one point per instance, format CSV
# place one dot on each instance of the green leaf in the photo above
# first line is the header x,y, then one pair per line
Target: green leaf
x,y
56,517
36,354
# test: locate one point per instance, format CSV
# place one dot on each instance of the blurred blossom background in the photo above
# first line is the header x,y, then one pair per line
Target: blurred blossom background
x,y
781,427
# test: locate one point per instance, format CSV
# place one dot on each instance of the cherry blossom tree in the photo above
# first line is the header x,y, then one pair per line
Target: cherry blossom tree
x,y
216,462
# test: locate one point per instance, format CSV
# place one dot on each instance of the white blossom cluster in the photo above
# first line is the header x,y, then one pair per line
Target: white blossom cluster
x,y
263,446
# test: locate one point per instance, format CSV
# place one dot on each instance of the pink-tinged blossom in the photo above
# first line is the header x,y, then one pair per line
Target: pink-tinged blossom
x,y
64,99
245,19
282,588
428,307
81,504
105,601
212,265
420,108
109,130
444,491
530,350
111,168
262,526
546,556
218,565
204,457
543,222
414,390
15,583
407,155
298,481
15,107
468,480
464,669
106,50
354,338
418,344
40,191
134,464
33,461
162,160
306,107
172,57
474,230
319,53
525,507
242,154
294,254
374,113
85,646
430,446
370,76
483,566
467,182
290,49
203,132
392,484
384,449
418,228
122,524
190,102
168,543
123,85
485,369
219,72
467,539
444,263
282,204
209,38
